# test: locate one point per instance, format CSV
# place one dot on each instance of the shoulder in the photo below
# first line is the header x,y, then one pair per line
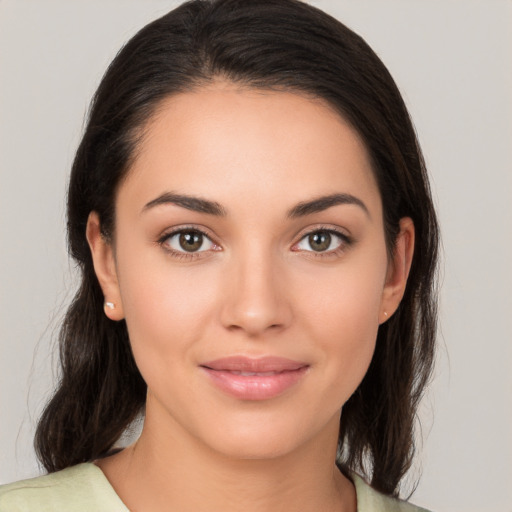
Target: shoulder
x,y
369,500
76,489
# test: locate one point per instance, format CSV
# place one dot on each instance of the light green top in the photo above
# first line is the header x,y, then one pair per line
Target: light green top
x,y
84,488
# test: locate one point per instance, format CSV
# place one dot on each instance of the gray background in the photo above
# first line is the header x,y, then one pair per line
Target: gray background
x,y
452,61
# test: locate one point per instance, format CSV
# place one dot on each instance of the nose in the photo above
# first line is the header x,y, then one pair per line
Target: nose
x,y
255,299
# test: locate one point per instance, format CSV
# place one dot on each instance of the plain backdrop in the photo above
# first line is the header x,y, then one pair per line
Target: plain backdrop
x,y
452,61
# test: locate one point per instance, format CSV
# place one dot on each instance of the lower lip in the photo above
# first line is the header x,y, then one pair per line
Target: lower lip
x,y
255,387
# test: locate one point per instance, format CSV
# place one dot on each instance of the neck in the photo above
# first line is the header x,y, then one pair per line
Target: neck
x,y
166,471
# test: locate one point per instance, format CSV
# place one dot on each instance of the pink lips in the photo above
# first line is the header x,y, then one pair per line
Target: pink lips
x,y
254,379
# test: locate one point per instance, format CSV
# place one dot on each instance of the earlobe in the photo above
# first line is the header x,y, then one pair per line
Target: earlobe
x,y
104,267
398,270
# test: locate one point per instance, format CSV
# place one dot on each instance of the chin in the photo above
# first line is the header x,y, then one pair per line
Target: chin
x,y
259,440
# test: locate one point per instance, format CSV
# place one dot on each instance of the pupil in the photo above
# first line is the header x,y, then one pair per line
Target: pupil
x,y
320,241
191,241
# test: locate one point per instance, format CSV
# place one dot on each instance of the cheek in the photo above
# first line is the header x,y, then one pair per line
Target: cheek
x,y
343,317
167,310
344,300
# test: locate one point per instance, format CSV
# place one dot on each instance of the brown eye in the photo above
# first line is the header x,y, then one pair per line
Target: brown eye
x,y
319,241
189,240
322,240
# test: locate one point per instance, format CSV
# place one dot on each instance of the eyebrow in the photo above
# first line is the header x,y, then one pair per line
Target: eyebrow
x,y
301,209
323,203
195,204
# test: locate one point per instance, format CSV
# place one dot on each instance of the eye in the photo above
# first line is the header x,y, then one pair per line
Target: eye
x,y
187,241
322,240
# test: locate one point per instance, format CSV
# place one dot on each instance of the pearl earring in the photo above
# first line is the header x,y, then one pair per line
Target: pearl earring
x,y
109,305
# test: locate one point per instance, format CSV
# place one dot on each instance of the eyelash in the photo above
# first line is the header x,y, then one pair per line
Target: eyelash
x,y
179,254
346,242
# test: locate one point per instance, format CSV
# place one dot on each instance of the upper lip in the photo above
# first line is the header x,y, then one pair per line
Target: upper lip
x,y
255,365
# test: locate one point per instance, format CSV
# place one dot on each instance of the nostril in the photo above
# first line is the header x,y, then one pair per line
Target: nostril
x,y
256,302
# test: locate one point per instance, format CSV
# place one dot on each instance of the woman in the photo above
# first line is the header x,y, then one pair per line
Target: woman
x,y
251,214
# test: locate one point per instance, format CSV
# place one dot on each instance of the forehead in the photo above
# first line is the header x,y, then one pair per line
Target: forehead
x,y
237,142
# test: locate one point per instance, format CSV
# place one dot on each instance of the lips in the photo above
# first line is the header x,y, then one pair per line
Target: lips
x,y
254,379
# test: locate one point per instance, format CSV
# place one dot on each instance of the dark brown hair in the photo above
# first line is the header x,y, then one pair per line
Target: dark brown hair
x,y
267,44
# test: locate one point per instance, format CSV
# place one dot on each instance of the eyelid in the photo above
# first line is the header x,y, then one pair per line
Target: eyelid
x,y
171,232
337,230
346,239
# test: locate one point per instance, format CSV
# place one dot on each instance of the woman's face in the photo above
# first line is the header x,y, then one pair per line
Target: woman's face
x,y
250,264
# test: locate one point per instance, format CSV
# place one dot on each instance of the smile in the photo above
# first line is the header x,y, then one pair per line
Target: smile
x,y
250,374
254,379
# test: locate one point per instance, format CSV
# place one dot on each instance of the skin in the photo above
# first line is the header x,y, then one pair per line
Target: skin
x,y
257,289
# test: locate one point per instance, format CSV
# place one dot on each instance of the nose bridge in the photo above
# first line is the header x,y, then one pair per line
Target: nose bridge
x,y
256,299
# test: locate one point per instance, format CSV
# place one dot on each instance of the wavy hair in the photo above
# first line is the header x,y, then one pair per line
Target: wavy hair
x,y
263,44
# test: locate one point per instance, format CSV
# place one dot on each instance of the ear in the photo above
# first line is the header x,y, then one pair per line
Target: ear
x,y
398,270
105,268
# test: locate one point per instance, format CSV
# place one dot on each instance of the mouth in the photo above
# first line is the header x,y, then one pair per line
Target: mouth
x,y
254,379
